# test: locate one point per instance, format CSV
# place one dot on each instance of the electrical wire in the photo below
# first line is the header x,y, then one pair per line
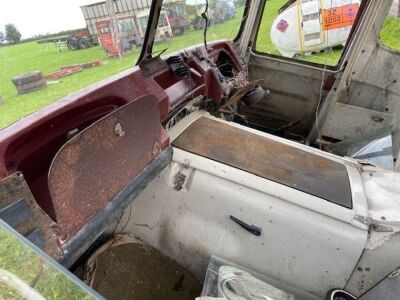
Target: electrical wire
x,y
205,17
119,220
127,221
321,89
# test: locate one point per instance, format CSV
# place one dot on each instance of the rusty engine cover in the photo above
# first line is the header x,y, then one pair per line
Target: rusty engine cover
x,y
91,168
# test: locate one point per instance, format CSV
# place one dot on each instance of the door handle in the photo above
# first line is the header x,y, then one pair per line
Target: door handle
x,y
253,228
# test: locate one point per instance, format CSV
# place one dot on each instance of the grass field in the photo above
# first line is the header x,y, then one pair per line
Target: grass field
x,y
390,33
26,57
22,58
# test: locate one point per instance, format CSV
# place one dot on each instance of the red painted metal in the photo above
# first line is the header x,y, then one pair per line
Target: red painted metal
x,y
69,70
30,144
88,65
64,73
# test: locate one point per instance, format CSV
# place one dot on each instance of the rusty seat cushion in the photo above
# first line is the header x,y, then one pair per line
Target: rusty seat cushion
x,y
268,158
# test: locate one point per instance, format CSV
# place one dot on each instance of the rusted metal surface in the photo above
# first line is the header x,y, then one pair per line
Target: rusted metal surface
x,y
241,92
13,188
96,164
266,158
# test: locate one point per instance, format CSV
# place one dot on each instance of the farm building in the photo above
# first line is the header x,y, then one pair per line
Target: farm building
x,y
95,11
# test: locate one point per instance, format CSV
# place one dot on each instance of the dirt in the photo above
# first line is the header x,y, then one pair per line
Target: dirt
x,y
135,271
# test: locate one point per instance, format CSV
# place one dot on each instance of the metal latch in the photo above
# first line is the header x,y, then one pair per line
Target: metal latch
x,y
182,175
373,224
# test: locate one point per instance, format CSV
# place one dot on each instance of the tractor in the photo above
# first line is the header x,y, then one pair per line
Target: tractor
x,y
80,40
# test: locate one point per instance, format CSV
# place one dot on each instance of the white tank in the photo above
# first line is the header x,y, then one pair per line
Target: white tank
x,y
311,26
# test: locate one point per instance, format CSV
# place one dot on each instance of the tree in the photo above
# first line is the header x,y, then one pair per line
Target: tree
x,y
1,37
12,34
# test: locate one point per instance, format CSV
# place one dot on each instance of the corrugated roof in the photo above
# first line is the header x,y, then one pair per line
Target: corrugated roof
x,y
89,2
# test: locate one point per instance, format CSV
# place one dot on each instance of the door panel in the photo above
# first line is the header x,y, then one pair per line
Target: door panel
x,y
294,95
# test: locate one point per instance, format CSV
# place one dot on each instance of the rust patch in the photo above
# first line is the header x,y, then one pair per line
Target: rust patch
x,y
15,187
269,159
241,92
96,164
377,118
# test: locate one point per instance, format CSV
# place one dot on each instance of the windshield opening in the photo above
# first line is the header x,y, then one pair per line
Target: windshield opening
x,y
185,25
67,46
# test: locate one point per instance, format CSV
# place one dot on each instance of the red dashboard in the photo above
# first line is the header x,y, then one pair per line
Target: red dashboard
x,y
30,144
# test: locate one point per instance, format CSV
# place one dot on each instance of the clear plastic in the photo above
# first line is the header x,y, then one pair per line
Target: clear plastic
x,y
226,280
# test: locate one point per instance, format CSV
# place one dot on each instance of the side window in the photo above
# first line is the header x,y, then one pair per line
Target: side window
x,y
390,33
308,30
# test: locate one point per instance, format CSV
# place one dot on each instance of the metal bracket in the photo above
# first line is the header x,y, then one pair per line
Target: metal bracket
x,y
373,224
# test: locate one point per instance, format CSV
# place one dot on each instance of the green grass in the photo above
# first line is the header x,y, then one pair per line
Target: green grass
x,y
17,258
390,33
26,57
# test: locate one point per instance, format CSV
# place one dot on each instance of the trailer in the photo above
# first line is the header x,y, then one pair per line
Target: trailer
x,y
76,40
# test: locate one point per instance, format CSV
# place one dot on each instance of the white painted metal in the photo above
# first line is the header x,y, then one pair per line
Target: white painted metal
x,y
311,24
347,121
363,84
395,8
382,189
306,242
245,37
381,256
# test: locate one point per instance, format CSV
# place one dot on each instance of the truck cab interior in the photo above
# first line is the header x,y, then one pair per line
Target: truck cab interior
x,y
221,150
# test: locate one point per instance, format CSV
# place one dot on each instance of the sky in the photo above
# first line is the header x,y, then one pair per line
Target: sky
x,y
32,17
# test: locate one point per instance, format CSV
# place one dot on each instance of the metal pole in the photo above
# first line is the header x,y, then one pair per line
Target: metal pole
x,y
114,26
